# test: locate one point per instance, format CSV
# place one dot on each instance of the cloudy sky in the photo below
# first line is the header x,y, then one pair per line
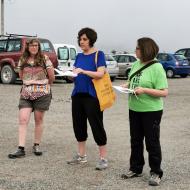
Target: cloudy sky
x,y
119,23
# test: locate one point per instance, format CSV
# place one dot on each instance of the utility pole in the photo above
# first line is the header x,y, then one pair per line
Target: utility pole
x,y
2,17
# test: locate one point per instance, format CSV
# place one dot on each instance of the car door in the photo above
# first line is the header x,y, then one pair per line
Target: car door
x,y
14,50
123,63
187,54
163,59
3,45
11,50
72,56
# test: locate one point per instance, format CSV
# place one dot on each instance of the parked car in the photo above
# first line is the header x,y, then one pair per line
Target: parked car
x,y
66,54
112,66
174,64
185,52
12,47
125,62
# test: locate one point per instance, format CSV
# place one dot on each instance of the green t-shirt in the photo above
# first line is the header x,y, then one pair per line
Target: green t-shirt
x,y
153,77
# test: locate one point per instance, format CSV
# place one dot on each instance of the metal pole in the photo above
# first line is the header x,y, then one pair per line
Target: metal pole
x,y
2,17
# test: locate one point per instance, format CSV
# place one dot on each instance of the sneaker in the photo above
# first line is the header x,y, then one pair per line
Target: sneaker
x,y
102,164
77,159
154,179
36,150
130,174
18,154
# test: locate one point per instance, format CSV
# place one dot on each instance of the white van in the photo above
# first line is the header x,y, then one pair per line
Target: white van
x,y
66,54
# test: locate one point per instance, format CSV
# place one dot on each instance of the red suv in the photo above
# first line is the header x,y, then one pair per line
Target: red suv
x,y
11,48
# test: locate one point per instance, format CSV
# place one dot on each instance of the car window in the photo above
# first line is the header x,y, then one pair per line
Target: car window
x,y
14,45
116,57
121,59
169,58
63,53
3,45
182,51
162,57
132,59
179,57
127,59
46,46
187,53
73,53
109,58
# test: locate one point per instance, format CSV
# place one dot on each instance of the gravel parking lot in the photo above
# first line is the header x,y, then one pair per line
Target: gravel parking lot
x,y
50,172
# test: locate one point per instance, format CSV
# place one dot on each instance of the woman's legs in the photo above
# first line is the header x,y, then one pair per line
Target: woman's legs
x,y
84,107
38,117
24,117
79,124
137,137
82,148
95,117
151,123
102,151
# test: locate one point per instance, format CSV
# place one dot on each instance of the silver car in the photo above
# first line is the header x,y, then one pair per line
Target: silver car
x,y
112,67
125,62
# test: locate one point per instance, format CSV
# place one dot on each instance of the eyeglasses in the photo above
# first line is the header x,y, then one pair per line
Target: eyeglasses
x,y
33,45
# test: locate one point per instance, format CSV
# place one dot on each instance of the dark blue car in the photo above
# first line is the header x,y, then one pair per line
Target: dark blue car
x,y
174,64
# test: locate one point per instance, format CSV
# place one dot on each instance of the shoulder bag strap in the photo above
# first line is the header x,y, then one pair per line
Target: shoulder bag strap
x,y
96,59
142,68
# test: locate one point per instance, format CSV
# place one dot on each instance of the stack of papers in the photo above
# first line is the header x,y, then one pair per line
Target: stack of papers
x,y
124,90
69,74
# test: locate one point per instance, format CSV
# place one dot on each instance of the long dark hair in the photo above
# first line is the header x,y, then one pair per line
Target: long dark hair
x,y
39,58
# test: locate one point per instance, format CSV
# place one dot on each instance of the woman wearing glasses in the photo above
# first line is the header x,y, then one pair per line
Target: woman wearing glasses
x,y
37,73
145,110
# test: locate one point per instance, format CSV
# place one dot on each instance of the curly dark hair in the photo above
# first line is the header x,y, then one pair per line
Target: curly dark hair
x,y
39,58
148,48
90,33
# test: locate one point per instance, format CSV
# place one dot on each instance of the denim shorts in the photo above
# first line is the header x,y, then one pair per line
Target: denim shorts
x,y
41,104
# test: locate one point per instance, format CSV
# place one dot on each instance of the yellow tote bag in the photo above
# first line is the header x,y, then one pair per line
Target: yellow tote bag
x,y
104,89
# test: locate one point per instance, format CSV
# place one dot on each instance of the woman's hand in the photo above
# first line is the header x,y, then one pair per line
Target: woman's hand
x,y
126,85
93,74
139,90
78,71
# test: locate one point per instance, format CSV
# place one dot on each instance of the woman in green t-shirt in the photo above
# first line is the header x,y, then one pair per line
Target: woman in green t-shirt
x,y
145,111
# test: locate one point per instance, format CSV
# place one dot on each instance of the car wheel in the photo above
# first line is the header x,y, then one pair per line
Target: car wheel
x,y
8,75
170,73
183,75
112,78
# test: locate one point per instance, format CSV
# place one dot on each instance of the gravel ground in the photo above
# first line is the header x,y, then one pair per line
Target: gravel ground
x,y
50,172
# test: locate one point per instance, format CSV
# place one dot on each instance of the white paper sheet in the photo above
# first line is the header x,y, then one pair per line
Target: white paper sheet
x,y
123,90
69,74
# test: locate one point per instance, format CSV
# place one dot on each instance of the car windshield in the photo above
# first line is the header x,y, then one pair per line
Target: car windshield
x,y
63,53
46,46
73,53
180,57
109,58
116,57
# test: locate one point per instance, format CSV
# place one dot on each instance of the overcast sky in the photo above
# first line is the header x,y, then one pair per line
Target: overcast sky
x,y
119,23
